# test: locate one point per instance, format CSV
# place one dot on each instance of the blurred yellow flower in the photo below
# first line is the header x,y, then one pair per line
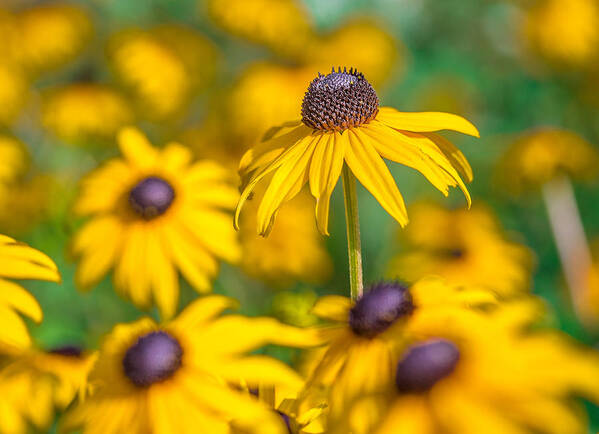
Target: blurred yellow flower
x,y
19,261
152,71
563,33
282,25
154,212
14,90
51,35
186,376
36,383
343,124
464,247
294,250
541,155
265,94
198,53
14,160
364,337
487,377
362,43
80,112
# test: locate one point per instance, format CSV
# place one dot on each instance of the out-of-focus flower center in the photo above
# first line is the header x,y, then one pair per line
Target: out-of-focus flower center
x,y
155,357
425,364
151,197
339,100
380,307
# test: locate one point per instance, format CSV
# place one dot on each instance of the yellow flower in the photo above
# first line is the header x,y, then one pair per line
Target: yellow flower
x,y
488,378
265,94
36,382
79,112
567,36
362,43
465,248
152,71
541,155
186,376
19,261
14,90
50,36
294,250
343,124
363,338
282,25
155,212
198,53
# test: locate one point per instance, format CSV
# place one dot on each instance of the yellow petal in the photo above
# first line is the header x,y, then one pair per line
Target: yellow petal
x,y
325,170
203,310
284,185
371,171
408,414
289,154
165,282
15,296
425,121
260,370
332,307
136,148
453,154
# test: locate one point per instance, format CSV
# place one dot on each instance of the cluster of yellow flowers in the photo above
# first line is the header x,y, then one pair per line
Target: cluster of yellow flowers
x,y
457,344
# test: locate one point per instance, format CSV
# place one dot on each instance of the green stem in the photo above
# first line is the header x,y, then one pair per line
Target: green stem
x,y
354,246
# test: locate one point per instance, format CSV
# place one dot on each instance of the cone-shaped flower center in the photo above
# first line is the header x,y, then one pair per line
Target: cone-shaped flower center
x,y
425,364
154,357
339,100
379,307
151,197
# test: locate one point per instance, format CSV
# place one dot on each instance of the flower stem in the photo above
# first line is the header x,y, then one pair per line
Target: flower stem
x,y
354,246
571,242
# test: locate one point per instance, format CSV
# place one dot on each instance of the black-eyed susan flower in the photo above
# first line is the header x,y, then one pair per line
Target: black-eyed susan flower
x,y
155,213
342,123
19,261
281,25
570,41
80,112
368,333
51,35
151,71
294,250
465,247
491,377
543,154
547,159
187,375
363,43
35,384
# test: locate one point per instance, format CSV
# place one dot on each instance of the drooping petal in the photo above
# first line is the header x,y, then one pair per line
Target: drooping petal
x,y
325,170
371,171
332,307
260,370
422,122
202,310
15,296
289,154
453,154
287,182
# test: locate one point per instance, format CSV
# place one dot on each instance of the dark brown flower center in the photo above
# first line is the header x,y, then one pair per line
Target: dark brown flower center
x,y
154,357
425,364
379,307
151,197
339,100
